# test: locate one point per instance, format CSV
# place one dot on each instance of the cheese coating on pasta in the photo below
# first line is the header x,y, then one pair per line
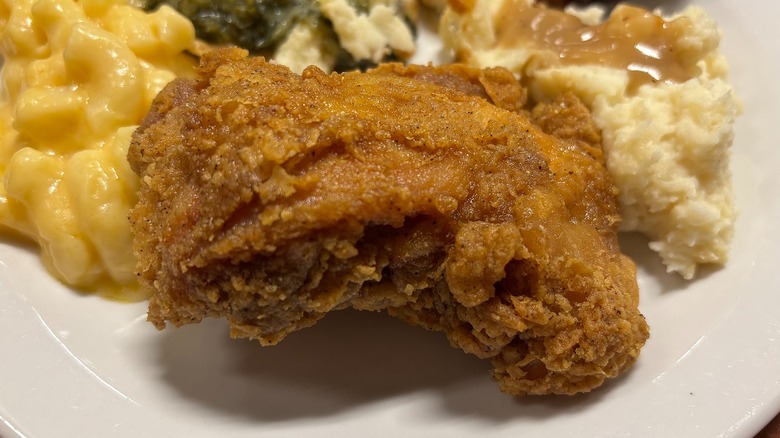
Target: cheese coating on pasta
x,y
77,77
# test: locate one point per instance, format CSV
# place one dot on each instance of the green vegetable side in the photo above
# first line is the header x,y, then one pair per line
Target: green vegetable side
x,y
260,26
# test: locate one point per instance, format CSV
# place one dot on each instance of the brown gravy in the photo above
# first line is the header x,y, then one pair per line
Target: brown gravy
x,y
631,38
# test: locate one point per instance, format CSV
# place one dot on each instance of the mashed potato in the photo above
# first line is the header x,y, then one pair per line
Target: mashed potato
x,y
76,79
666,139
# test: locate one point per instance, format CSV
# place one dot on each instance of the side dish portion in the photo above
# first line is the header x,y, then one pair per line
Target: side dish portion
x,y
331,34
76,79
657,90
270,199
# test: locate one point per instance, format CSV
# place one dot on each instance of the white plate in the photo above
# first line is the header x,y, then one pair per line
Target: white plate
x,y
74,365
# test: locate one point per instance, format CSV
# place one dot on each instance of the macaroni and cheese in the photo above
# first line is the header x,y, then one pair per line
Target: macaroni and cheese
x,y
77,77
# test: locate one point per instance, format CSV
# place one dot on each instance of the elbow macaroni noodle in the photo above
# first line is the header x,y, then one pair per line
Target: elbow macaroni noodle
x,y
77,77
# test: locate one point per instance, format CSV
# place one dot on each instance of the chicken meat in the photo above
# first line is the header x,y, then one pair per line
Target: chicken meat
x,y
432,193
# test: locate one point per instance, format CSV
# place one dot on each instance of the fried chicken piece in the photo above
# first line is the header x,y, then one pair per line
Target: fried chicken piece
x,y
271,199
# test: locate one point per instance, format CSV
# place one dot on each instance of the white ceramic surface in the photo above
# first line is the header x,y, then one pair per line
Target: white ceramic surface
x,y
74,365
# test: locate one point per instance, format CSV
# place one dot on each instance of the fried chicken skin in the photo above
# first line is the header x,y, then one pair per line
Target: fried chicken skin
x,y
271,199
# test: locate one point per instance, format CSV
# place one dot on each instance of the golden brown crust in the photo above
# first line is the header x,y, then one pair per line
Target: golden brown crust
x,y
270,199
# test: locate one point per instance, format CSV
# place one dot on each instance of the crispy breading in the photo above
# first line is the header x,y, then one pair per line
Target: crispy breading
x,y
271,199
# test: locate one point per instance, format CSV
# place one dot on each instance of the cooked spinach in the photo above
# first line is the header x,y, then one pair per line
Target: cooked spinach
x,y
252,24
258,25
